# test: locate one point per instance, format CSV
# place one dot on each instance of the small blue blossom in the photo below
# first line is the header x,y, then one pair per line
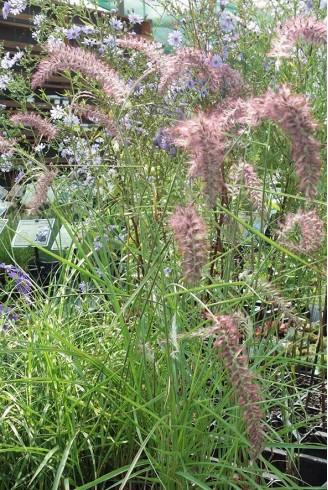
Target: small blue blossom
x,y
216,61
74,32
70,120
97,245
116,23
174,39
167,271
84,287
9,315
23,283
135,19
190,84
19,176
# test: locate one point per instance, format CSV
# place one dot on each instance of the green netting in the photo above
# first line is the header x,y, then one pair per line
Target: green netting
x,y
162,24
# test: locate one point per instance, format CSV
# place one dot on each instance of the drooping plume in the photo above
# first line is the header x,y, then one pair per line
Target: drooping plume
x,y
304,28
190,234
145,46
95,115
222,79
301,232
43,182
80,61
35,121
205,143
293,114
247,391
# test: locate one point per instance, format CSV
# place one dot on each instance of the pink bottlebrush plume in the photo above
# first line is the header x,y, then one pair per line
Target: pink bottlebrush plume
x,y
293,113
7,147
306,28
68,58
247,391
190,233
252,180
95,115
301,232
205,143
142,45
36,122
222,79
43,182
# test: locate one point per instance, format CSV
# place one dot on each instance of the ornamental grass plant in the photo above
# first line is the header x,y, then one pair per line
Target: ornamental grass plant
x,y
172,333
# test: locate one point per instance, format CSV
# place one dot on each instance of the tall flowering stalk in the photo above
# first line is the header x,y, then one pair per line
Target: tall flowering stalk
x,y
301,232
68,58
43,182
36,122
293,113
205,144
304,28
190,233
247,392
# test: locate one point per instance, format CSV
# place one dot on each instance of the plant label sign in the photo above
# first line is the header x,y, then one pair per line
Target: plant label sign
x,y
3,207
3,192
32,232
3,223
63,239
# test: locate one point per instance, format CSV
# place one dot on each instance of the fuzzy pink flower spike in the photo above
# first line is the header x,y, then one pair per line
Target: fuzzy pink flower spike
x,y
35,121
293,113
301,232
306,28
43,182
95,115
247,391
252,180
145,46
222,78
205,143
7,147
79,60
190,233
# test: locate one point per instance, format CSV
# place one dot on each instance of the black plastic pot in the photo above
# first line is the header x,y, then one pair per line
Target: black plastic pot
x,y
312,469
42,272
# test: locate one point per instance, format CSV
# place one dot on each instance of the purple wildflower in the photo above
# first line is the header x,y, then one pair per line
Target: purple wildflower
x,y
84,287
14,7
74,32
174,39
135,18
23,283
9,314
216,61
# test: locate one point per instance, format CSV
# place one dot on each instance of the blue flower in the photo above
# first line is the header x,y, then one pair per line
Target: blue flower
x,y
174,39
74,32
116,24
23,283
216,61
135,19
167,271
84,287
